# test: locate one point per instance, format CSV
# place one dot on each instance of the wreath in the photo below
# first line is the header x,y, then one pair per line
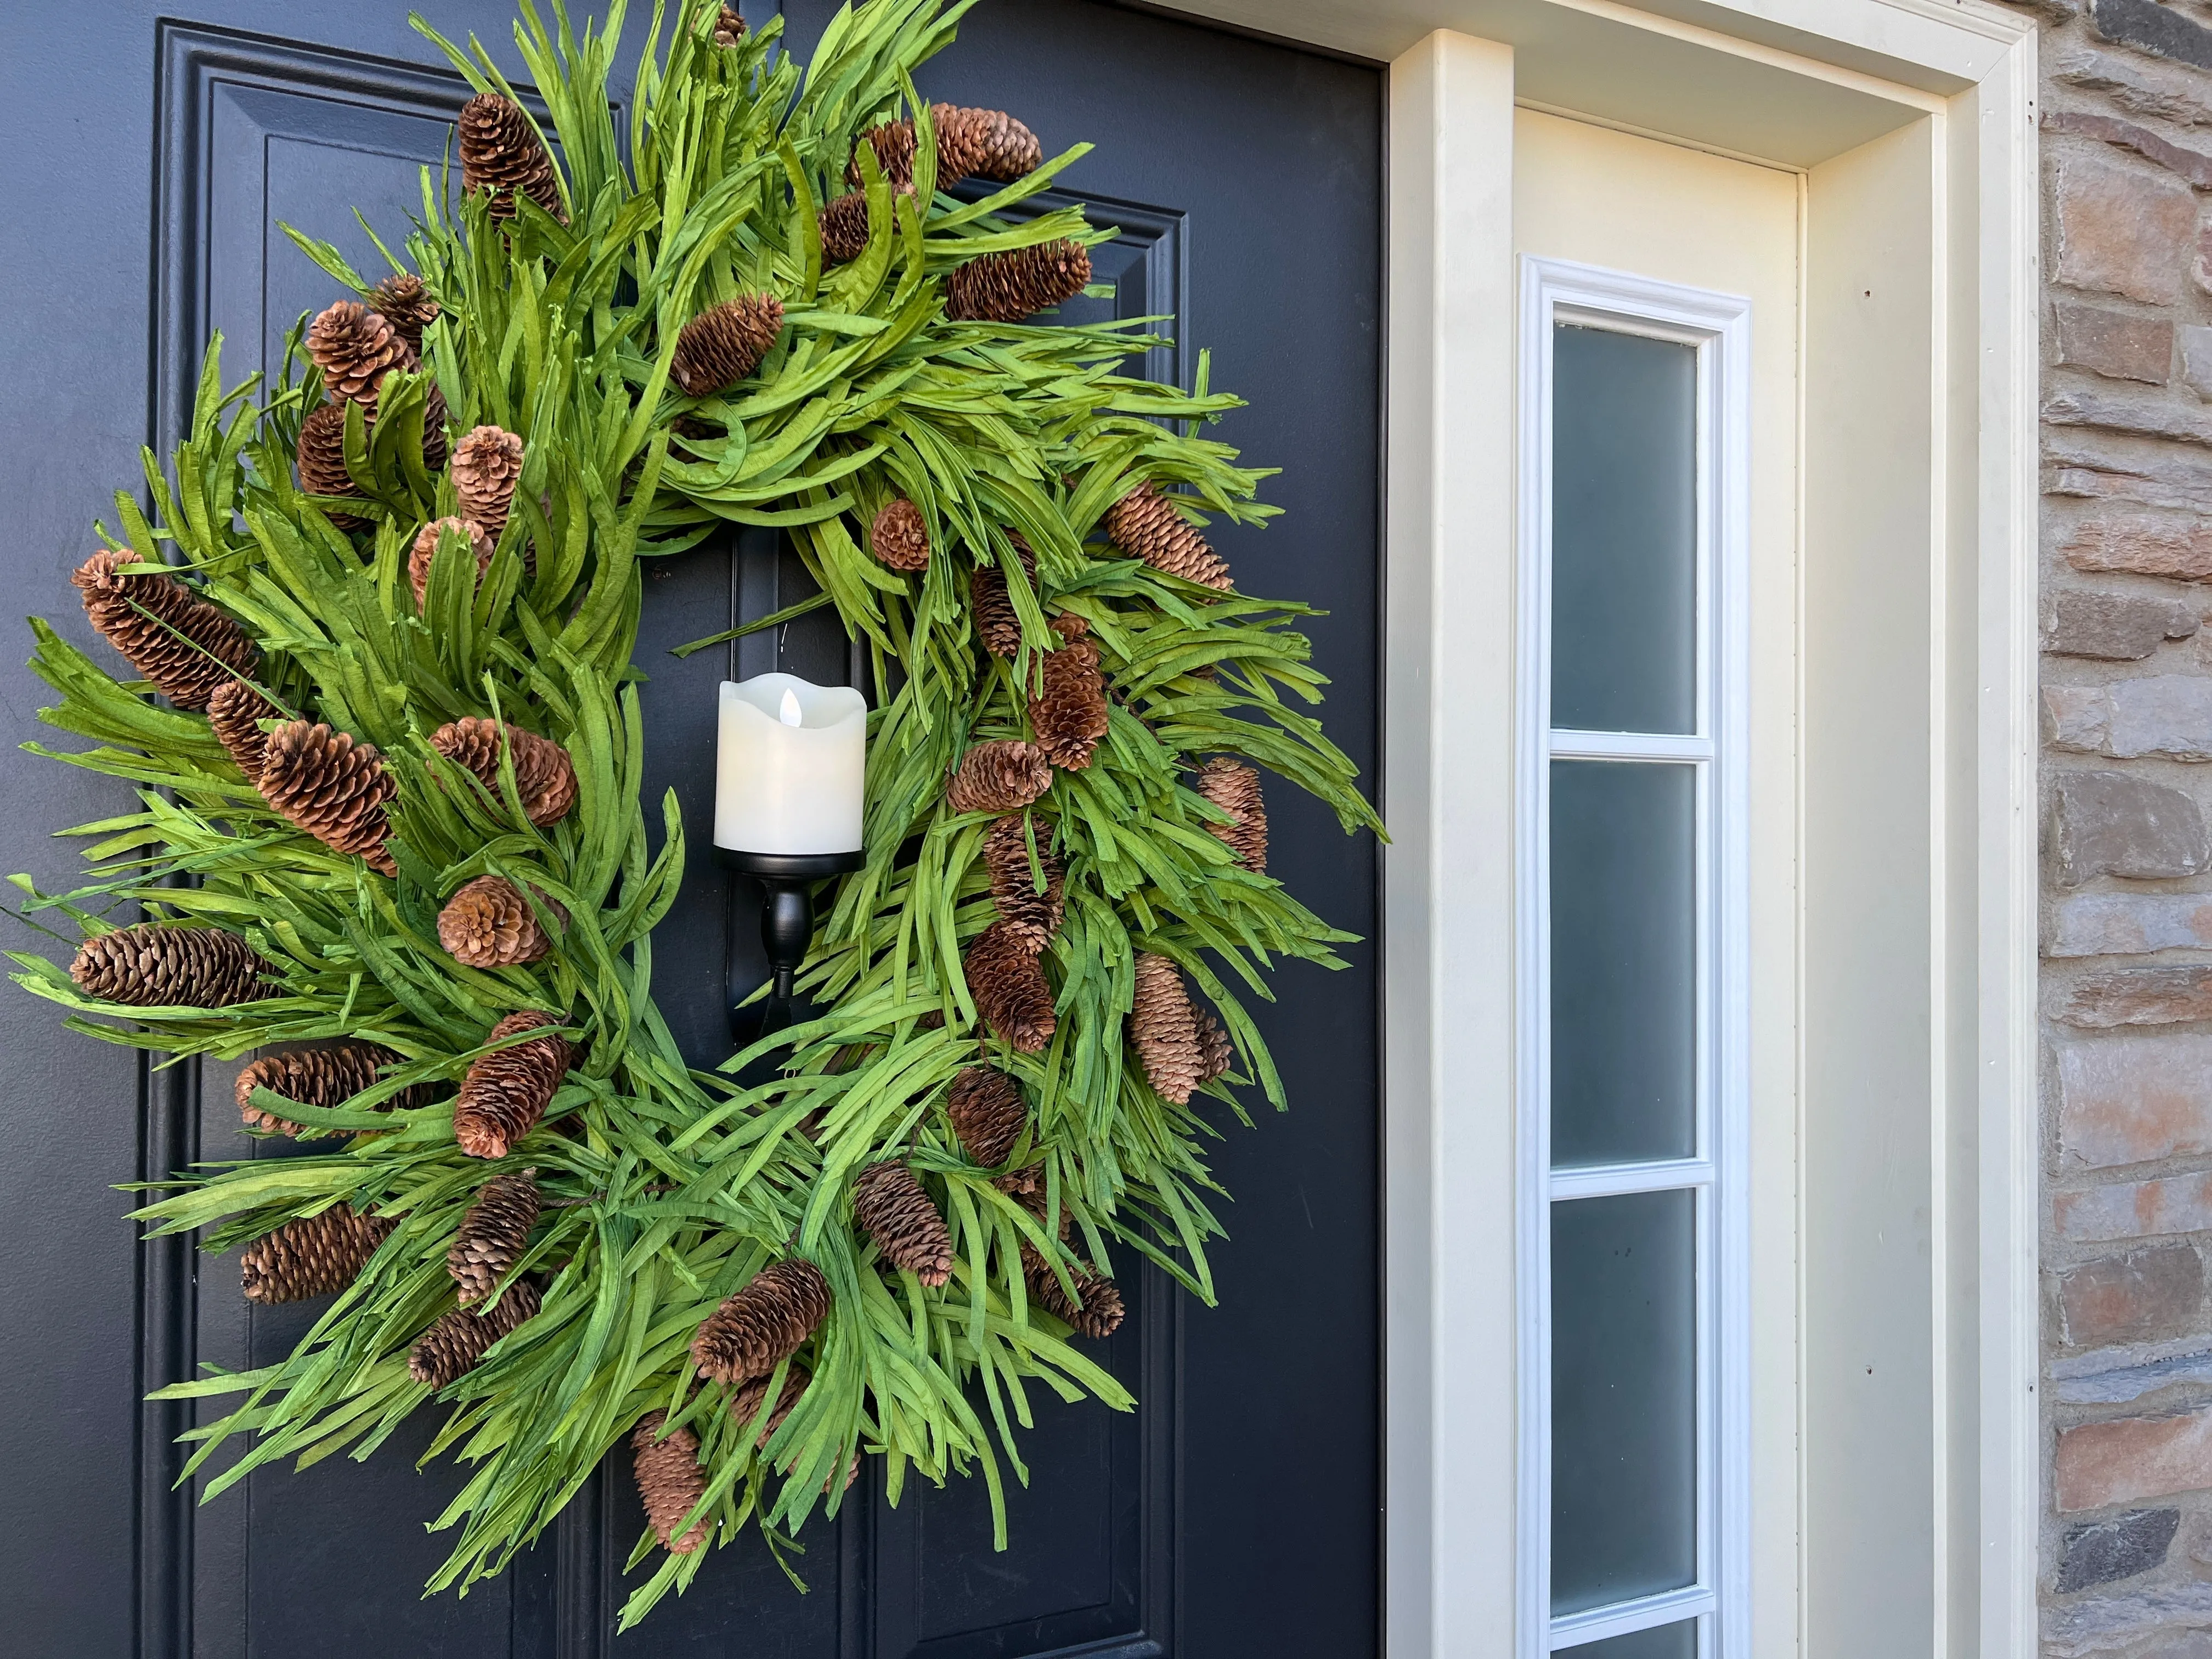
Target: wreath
x,y
384,735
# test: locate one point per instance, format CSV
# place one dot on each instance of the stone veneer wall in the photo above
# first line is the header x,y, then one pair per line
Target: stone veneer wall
x,y
2127,871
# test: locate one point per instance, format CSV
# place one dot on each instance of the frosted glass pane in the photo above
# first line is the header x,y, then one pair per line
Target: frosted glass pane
x,y
1666,1642
1623,962
1624,531
1624,1398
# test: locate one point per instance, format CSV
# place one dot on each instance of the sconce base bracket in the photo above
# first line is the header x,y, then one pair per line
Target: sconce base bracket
x,y
786,924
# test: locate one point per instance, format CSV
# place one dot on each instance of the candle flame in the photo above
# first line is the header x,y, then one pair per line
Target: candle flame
x,y
790,713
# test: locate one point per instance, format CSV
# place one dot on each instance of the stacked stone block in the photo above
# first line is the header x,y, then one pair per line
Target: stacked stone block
x,y
2126,114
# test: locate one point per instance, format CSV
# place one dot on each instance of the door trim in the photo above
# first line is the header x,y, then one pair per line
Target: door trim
x,y
1966,78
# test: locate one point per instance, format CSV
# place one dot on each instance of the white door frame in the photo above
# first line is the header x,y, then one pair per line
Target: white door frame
x,y
1914,123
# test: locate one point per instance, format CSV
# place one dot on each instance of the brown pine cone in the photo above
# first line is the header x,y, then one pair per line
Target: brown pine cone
x,y
1013,287
985,1108
725,344
1234,788
317,1256
1001,777
1070,713
997,623
764,1323
167,632
1010,989
493,1234
669,1480
983,143
317,1077
1145,525
745,1400
1164,1025
486,465
355,348
507,1092
332,787
893,1210
1216,1054
1098,1314
403,302
899,538
971,143
544,777
160,964
435,417
457,1341
845,228
893,143
321,456
729,27
235,711
426,549
489,923
500,153
1030,916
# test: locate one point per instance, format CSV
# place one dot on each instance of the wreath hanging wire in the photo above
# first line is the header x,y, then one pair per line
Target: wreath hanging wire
x,y
390,833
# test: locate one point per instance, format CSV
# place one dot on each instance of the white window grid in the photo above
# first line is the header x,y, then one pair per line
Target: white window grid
x,y
1718,326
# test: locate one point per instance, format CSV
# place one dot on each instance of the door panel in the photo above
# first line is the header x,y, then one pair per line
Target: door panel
x,y
1237,1510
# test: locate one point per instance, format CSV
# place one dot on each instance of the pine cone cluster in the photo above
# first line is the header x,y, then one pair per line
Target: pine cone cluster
x,y
500,153
332,787
1010,989
669,1480
729,27
167,632
1164,1023
998,625
544,777
1234,788
321,457
317,1256
317,1077
507,1092
487,466
235,711
402,300
158,964
1014,286
1069,713
493,1234
971,143
457,1341
745,1401
764,1323
1000,776
1098,1310
893,1210
985,1108
489,923
355,348
1028,915
725,344
426,549
899,538
844,227
1145,525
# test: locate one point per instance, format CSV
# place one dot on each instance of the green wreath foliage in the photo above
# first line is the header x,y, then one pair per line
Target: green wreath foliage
x,y
670,1188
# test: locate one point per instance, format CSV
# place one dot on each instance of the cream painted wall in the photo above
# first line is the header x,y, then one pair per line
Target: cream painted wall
x,y
1606,198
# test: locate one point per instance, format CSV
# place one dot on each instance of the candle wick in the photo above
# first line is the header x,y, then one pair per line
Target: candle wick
x,y
791,712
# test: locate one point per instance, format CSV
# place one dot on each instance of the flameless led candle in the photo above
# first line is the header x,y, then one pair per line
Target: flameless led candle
x,y
791,768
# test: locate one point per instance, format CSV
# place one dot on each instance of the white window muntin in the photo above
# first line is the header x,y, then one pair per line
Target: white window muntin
x,y
1718,327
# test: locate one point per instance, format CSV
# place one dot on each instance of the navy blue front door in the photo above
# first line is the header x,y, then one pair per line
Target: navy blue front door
x,y
1237,1512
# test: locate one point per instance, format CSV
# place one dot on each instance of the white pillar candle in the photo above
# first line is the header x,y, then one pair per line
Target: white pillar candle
x,y
793,761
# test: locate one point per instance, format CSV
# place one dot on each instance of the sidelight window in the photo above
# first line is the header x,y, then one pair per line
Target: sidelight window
x,y
1632,1281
